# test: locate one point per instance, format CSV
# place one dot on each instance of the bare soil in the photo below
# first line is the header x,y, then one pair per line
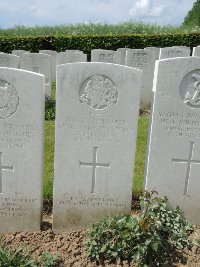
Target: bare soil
x,y
70,246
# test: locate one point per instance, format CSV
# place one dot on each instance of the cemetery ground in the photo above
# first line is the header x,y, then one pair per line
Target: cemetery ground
x,y
71,246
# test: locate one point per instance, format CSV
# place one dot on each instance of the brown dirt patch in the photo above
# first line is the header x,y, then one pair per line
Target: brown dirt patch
x,y
70,246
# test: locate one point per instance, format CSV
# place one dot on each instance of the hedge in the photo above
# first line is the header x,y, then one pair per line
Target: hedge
x,y
87,43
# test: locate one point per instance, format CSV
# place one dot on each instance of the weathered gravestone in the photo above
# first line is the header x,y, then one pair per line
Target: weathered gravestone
x,y
174,51
96,128
173,164
39,63
53,55
21,150
8,60
109,56
145,61
70,57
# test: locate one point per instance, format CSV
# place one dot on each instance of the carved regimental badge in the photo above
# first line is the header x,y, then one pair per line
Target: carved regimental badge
x,y
99,93
9,100
190,89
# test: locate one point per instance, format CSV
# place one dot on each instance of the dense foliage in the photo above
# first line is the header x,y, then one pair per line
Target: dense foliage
x,y
87,43
193,17
146,239
129,27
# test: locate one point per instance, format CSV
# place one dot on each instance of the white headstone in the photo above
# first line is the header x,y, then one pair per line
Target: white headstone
x,y
145,61
70,57
107,56
196,51
173,164
19,53
53,54
175,51
21,150
73,50
156,50
9,61
123,54
39,63
96,128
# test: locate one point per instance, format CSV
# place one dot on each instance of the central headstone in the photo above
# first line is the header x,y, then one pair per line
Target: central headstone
x,y
96,126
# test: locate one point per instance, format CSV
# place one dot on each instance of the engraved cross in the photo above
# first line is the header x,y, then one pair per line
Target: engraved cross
x,y
3,168
94,165
189,162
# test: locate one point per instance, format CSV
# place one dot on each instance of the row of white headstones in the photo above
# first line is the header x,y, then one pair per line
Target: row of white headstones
x,y
97,106
46,61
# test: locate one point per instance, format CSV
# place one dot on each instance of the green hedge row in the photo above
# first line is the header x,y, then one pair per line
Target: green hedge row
x,y
87,43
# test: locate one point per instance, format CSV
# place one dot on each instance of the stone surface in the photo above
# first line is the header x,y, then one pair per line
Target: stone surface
x,y
21,150
96,128
196,51
73,50
19,53
156,50
53,54
39,63
173,165
145,61
174,51
70,57
107,56
123,54
8,60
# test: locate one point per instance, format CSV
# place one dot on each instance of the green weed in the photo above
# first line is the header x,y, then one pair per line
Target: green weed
x,y
146,239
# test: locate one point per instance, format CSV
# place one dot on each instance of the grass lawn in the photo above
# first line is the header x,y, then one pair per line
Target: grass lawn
x,y
49,159
49,156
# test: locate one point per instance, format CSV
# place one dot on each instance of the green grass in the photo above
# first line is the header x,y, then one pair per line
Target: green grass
x,y
128,27
49,159
49,156
140,154
53,92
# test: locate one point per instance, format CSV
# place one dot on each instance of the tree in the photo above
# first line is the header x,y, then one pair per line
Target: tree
x,y
192,19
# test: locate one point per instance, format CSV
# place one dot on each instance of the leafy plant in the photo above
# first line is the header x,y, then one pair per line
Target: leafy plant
x,y
50,104
16,258
21,258
49,260
144,239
